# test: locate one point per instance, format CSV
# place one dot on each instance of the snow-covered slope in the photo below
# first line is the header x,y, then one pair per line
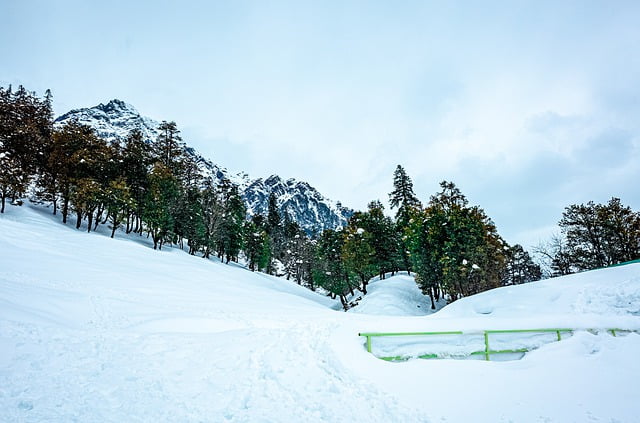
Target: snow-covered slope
x,y
300,201
100,330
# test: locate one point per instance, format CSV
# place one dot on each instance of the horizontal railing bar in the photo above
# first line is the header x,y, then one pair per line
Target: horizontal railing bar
x,y
483,352
395,358
458,332
429,356
529,330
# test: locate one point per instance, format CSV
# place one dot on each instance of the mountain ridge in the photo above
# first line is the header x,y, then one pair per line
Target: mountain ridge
x,y
298,200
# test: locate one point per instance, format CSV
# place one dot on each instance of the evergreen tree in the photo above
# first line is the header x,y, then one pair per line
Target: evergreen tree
x,y
159,204
403,197
256,245
25,128
599,235
75,155
190,219
358,254
118,201
296,255
380,230
329,271
455,249
273,215
406,201
229,236
519,268
211,206
136,160
167,149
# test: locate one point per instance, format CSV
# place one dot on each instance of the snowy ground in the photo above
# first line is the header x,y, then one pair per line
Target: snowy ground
x,y
95,330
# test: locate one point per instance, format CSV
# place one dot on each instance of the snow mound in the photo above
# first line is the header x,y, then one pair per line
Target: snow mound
x,y
395,296
605,292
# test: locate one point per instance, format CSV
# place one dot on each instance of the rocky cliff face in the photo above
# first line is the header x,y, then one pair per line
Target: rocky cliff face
x,y
299,200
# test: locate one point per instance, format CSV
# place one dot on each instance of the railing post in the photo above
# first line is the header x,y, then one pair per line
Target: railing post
x,y
559,337
613,332
368,343
486,346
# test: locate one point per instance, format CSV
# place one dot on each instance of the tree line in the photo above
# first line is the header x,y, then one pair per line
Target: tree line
x,y
156,188
152,187
453,249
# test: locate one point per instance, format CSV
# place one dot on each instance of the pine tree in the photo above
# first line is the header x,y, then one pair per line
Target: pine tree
x,y
25,128
76,154
256,245
519,267
193,219
296,255
274,230
599,235
403,197
159,204
357,252
329,271
229,236
167,149
118,201
380,231
455,249
211,206
135,161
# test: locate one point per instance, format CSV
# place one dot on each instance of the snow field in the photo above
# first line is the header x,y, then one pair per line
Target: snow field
x,y
98,330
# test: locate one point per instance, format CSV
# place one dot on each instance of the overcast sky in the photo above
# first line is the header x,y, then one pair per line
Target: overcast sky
x,y
527,106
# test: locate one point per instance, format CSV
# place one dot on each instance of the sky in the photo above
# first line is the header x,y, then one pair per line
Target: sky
x,y
528,106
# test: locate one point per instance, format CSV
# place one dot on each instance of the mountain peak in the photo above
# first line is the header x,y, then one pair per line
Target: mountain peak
x,y
117,105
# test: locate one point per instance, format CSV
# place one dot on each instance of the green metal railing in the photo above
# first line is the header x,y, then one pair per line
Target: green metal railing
x,y
625,263
487,352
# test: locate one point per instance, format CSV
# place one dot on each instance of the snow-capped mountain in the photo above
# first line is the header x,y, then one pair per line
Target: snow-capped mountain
x,y
299,200
113,121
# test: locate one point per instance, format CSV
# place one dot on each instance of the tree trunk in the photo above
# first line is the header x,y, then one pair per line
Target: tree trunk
x,y
90,221
79,220
113,230
431,295
55,204
364,284
343,300
3,201
65,209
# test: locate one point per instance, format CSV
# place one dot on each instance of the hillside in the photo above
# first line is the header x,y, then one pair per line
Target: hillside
x,y
95,329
